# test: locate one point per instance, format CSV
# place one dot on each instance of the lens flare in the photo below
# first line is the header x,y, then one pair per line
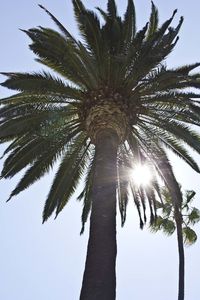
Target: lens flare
x,y
141,175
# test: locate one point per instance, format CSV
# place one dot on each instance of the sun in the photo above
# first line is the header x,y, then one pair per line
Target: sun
x,y
141,175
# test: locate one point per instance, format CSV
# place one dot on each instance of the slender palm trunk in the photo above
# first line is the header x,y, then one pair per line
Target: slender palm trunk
x,y
177,202
178,219
99,280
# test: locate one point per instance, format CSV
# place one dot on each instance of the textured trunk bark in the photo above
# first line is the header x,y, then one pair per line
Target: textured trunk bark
x,y
181,255
99,280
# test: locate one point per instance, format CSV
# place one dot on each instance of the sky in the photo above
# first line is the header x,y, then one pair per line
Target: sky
x,y
47,261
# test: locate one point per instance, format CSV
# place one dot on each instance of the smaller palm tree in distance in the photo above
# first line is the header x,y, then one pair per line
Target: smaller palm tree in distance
x,y
113,97
181,219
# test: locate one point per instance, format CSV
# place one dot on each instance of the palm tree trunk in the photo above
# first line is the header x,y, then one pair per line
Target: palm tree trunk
x,y
178,219
177,199
99,280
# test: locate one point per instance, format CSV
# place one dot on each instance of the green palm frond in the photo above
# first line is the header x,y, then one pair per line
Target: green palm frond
x,y
112,9
129,24
184,133
15,144
161,31
60,26
42,163
166,172
42,83
22,125
24,155
152,203
194,216
89,27
164,224
86,193
29,150
158,157
103,14
153,22
167,220
40,167
171,142
127,161
17,110
62,58
185,70
123,188
189,236
67,177
195,110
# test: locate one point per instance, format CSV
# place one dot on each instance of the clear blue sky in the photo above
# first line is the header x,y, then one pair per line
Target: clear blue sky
x,y
47,261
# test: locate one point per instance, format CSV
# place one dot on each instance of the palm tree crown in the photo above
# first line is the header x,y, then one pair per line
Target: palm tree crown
x,y
113,79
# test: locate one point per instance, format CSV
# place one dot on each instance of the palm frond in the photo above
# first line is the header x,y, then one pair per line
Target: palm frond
x,y
41,163
112,9
86,193
42,83
123,185
129,23
171,142
89,26
60,26
67,177
153,22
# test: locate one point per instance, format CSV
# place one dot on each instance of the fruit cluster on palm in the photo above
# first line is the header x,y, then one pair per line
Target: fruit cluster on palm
x,y
113,103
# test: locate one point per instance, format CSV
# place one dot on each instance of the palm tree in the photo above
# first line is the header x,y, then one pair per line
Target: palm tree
x,y
171,193
181,220
113,98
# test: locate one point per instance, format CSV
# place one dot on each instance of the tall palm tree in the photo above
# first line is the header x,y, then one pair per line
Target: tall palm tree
x,y
171,219
114,97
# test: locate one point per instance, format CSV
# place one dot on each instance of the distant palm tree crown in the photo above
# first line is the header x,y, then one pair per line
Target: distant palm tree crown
x,y
113,79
